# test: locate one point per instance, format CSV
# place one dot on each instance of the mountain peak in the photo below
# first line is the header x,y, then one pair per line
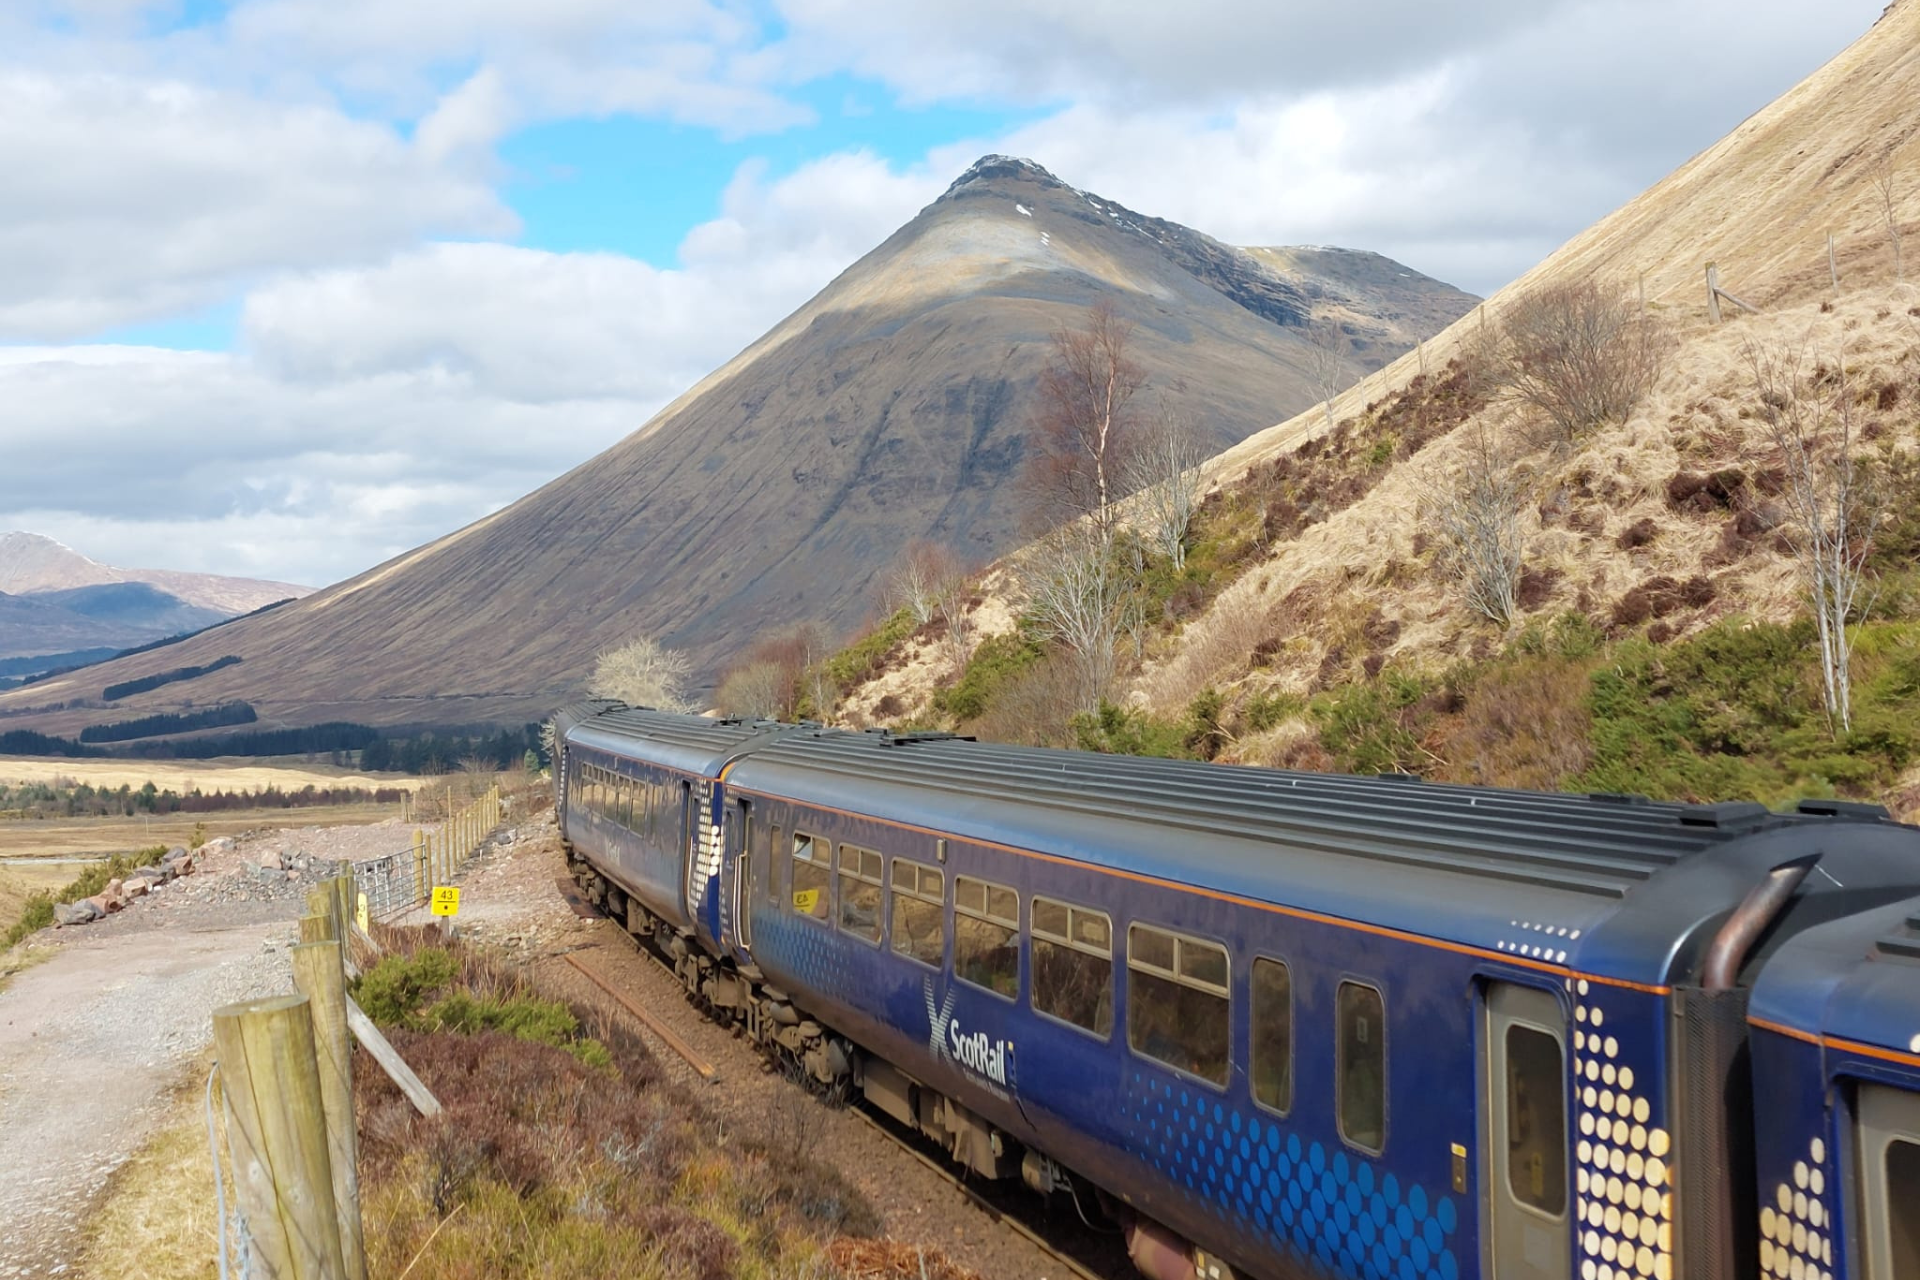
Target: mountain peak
x,y
999,168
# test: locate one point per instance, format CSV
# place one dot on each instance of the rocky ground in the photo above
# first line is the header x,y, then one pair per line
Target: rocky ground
x,y
96,1043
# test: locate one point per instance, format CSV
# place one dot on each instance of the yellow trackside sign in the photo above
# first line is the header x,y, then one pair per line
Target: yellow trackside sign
x,y
446,900
360,912
806,900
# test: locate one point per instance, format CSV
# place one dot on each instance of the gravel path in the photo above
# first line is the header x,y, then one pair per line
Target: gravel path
x,y
95,1041
92,1044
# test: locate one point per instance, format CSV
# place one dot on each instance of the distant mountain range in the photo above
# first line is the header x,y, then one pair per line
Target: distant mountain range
x,y
60,606
893,405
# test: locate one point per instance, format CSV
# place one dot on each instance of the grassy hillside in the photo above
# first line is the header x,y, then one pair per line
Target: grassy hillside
x,y
1660,643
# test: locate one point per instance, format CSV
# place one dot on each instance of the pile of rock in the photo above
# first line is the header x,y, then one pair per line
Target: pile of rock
x,y
138,883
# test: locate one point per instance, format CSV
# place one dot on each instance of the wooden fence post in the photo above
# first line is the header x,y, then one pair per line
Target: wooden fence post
x,y
419,864
277,1130
319,975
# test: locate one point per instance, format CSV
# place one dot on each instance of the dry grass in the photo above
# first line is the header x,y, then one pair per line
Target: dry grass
x,y
19,959
156,1219
100,837
236,774
901,693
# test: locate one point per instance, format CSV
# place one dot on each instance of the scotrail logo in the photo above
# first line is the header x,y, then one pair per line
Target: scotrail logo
x,y
975,1051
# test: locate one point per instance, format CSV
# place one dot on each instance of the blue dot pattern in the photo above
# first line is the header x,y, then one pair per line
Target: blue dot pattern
x,y
816,959
1331,1212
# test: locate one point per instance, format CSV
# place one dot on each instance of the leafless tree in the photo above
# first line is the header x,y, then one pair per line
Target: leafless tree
x,y
1079,584
1476,512
926,573
1580,354
795,657
754,690
1886,186
1327,362
1163,471
1083,419
643,673
1808,420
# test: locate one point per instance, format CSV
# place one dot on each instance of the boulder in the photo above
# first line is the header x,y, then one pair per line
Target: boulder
x,y
106,903
176,853
269,860
137,888
113,889
269,873
66,913
148,873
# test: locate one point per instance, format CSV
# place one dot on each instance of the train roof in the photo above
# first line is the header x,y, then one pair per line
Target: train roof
x,y
1855,979
693,744
1612,885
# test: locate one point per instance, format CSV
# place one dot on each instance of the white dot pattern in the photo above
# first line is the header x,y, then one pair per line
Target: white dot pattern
x,y
1625,1184
1794,1240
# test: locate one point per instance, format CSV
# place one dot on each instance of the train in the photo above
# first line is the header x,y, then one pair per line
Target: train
x,y
1279,1024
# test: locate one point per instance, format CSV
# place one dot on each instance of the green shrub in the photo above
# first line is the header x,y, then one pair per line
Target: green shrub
x,y
1735,713
1263,711
36,913
1374,727
860,661
523,1017
994,664
1117,731
392,992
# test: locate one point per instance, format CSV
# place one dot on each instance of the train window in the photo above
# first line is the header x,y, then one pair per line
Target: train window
x,y
1361,1050
1536,1119
1073,965
1903,1193
811,876
860,892
626,803
1177,1006
1272,1034
919,923
986,931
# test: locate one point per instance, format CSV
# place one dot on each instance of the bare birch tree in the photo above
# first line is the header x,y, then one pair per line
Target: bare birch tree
x,y
643,673
1327,363
925,574
1080,584
1477,513
1886,186
1083,419
1808,420
1163,470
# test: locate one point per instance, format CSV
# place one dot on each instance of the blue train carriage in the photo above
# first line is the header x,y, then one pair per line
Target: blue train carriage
x,y
1285,1024
640,801
1836,1066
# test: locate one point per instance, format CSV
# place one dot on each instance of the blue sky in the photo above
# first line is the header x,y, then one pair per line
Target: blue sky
x,y
345,275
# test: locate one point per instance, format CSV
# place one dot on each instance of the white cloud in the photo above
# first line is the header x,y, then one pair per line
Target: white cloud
x,y
372,409
128,200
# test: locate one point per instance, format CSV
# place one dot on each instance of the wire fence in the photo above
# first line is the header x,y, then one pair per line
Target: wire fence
x,y
401,881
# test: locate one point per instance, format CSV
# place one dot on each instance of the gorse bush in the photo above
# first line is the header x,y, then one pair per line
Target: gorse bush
x,y
547,1022
996,661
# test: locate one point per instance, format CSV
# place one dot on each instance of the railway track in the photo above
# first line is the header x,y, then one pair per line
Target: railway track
x,y
1082,1250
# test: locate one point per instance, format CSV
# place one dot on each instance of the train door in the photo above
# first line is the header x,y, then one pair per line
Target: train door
x,y
1889,1163
1524,1133
742,846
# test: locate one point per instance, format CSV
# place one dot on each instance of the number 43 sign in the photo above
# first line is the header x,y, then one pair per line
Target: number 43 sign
x,y
446,900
